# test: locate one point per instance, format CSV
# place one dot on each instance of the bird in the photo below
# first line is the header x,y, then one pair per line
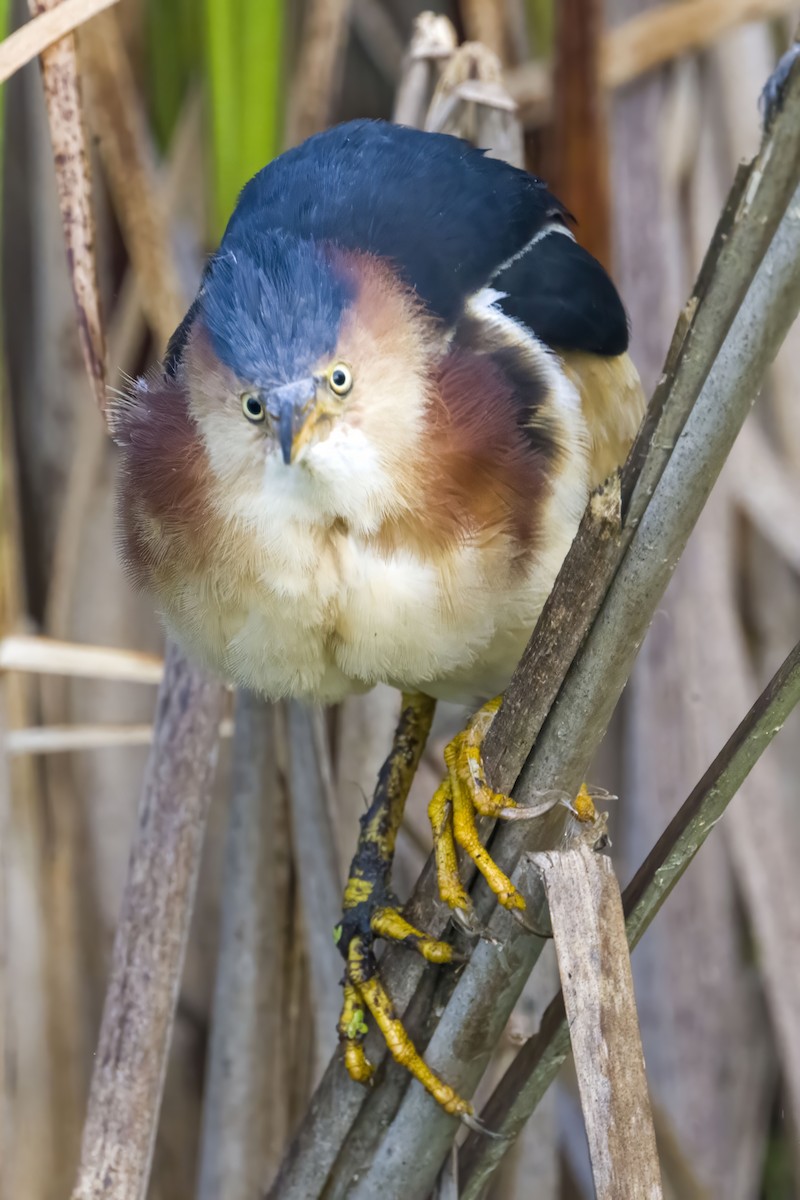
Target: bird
x,y
363,460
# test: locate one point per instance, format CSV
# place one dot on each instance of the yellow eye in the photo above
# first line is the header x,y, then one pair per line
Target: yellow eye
x,y
253,407
340,379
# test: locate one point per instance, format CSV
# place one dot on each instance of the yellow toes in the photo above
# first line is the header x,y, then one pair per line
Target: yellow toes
x,y
466,835
440,814
390,924
464,760
358,1066
452,815
364,989
404,1052
352,1030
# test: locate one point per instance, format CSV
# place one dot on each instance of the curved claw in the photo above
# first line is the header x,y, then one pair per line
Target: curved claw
x,y
529,927
468,922
477,1126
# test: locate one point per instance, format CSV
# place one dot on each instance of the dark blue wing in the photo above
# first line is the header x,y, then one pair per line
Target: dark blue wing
x,y
565,297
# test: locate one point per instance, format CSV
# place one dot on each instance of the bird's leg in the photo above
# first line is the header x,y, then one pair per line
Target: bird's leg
x,y
452,812
370,912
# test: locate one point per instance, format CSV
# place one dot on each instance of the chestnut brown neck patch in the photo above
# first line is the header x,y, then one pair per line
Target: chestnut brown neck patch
x,y
483,474
165,513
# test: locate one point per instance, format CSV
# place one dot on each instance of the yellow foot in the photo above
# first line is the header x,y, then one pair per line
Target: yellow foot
x,y
370,912
463,794
364,994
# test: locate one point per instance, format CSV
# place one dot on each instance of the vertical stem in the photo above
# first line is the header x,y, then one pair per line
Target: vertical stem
x,y
150,941
242,1132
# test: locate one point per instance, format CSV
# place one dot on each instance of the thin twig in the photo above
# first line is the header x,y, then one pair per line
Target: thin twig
x,y
49,656
58,739
150,942
538,1062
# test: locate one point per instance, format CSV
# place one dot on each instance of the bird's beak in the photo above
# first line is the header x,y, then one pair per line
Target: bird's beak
x,y
290,406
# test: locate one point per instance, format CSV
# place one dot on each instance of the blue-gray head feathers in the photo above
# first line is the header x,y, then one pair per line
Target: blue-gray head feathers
x,y
273,306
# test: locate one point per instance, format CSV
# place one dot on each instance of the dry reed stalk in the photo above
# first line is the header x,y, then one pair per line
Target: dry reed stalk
x,y
73,177
56,739
124,341
50,656
118,118
317,71
670,30
23,45
65,611
317,870
594,964
150,941
763,834
243,1129
65,880
80,808
641,217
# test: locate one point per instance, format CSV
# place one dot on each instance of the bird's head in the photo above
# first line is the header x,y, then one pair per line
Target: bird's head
x,y
306,372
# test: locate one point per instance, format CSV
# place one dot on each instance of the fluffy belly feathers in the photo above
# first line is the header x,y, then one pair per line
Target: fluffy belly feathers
x,y
325,614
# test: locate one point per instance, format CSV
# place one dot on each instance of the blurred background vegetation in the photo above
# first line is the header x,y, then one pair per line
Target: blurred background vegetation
x,y
639,128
